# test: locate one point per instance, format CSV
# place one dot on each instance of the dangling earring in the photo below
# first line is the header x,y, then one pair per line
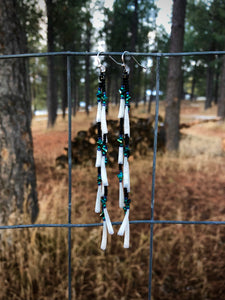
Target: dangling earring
x,y
101,157
124,152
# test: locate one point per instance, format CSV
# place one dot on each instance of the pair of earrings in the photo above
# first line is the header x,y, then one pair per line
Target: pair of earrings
x,y
123,155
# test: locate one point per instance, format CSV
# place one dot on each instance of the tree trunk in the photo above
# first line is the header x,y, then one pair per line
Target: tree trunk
x,y
216,85
138,87
193,83
151,84
221,99
52,100
116,89
87,83
174,79
134,39
64,87
209,85
87,66
150,102
74,86
145,88
17,170
108,87
74,97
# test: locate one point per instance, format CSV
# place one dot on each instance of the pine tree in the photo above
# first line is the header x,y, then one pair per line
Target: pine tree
x,y
205,32
174,79
17,170
52,101
221,102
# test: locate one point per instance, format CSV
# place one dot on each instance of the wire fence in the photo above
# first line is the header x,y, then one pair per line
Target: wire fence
x,y
151,221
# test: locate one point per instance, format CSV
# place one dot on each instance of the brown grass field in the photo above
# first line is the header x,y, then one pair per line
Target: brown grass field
x,y
188,260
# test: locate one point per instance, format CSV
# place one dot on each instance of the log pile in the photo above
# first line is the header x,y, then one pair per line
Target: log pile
x,y
141,142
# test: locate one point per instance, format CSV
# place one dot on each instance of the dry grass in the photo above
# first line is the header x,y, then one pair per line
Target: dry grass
x,y
188,260
200,146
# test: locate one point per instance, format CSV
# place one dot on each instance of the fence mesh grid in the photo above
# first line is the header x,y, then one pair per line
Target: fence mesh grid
x,y
151,221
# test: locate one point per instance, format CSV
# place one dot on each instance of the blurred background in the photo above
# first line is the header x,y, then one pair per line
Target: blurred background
x,y
188,261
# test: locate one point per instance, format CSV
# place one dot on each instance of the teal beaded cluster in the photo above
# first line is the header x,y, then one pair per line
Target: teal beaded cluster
x,y
104,149
127,100
122,92
101,96
99,144
126,151
125,95
104,99
120,140
104,152
99,179
103,201
120,176
126,204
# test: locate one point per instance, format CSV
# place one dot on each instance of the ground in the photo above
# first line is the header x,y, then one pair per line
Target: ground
x,y
201,149
187,260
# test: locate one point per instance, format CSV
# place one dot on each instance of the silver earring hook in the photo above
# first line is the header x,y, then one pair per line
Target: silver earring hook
x,y
100,66
123,64
122,58
123,61
138,63
113,59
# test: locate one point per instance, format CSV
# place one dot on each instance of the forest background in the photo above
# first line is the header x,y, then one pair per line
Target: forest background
x,y
116,31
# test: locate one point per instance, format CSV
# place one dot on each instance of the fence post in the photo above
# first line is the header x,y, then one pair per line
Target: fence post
x,y
69,172
153,176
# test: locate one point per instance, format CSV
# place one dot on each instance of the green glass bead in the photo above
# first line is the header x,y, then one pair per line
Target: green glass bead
x,y
126,151
99,142
105,148
120,176
121,90
104,98
120,140
99,180
103,200
128,95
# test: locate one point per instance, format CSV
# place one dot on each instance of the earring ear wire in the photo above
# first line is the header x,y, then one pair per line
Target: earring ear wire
x,y
120,64
122,58
100,66
113,59
140,65
123,64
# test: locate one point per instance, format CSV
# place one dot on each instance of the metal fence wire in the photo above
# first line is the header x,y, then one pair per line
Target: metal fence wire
x,y
151,221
